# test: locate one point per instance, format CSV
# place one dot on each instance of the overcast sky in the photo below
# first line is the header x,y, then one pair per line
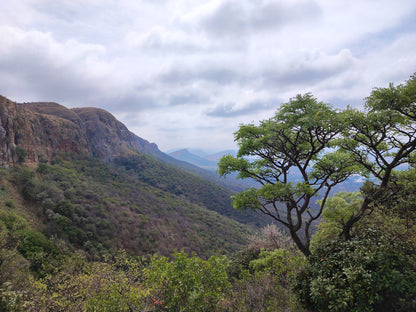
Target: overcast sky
x,y
187,73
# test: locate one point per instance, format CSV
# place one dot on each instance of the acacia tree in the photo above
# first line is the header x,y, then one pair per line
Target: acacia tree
x,y
298,139
324,147
379,140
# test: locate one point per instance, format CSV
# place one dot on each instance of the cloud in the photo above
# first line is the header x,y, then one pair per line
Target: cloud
x,y
187,98
200,68
308,69
229,110
43,67
69,72
219,74
237,19
166,41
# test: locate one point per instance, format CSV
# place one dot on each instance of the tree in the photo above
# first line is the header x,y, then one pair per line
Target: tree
x,y
380,140
366,273
299,139
324,147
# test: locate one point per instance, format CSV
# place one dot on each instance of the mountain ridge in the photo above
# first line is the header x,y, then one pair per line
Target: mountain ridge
x,y
42,128
186,155
83,177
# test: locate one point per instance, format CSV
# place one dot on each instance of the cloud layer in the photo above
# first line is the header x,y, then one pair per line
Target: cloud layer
x,y
186,73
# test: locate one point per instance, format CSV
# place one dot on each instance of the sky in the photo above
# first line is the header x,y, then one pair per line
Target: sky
x,y
186,74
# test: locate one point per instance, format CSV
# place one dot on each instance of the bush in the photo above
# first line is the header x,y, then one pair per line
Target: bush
x,y
266,286
35,247
13,221
186,283
21,154
364,274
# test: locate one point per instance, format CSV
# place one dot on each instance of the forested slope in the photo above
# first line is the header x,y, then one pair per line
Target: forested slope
x,y
102,207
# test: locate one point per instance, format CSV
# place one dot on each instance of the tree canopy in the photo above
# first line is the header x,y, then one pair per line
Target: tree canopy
x,y
323,147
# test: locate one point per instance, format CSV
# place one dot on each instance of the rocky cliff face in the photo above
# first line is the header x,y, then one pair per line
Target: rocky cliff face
x,y
41,129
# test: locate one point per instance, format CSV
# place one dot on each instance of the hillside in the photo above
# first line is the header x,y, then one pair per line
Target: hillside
x,y
85,178
101,207
44,128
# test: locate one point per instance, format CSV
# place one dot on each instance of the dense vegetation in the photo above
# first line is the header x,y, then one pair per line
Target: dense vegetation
x,y
102,207
188,186
135,235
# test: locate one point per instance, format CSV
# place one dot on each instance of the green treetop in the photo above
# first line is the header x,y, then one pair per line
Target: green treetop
x,y
298,139
325,147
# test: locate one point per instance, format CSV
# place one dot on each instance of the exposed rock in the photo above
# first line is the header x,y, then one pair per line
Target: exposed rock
x,y
44,128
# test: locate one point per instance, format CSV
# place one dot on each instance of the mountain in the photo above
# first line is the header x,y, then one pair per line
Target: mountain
x,y
44,128
194,159
217,156
199,159
80,175
210,163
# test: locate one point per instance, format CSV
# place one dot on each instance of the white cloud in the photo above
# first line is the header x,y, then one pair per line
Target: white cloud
x,y
186,73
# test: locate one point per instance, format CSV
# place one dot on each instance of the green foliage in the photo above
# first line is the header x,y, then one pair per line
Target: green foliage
x,y
33,241
79,285
113,298
22,175
401,201
376,269
145,206
101,207
339,209
35,247
380,139
15,281
363,274
240,262
323,147
187,283
265,283
280,262
12,221
300,139
188,186
21,154
400,99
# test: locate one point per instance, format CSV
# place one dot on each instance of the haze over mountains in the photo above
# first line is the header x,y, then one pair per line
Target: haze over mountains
x,y
210,162
205,161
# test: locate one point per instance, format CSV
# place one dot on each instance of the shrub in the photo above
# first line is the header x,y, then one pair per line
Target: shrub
x,y
266,285
364,274
35,247
13,221
21,154
186,283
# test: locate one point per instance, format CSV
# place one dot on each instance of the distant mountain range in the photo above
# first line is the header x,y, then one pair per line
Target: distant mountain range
x,y
210,162
194,159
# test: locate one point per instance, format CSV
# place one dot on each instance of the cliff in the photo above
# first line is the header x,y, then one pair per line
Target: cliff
x,y
41,129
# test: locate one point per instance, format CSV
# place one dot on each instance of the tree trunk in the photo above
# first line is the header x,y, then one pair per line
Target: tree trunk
x,y
303,247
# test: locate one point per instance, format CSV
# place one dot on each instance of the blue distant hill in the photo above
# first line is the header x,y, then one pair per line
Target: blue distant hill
x,y
210,162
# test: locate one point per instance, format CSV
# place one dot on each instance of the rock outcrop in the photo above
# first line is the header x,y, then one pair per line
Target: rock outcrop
x,y
40,129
